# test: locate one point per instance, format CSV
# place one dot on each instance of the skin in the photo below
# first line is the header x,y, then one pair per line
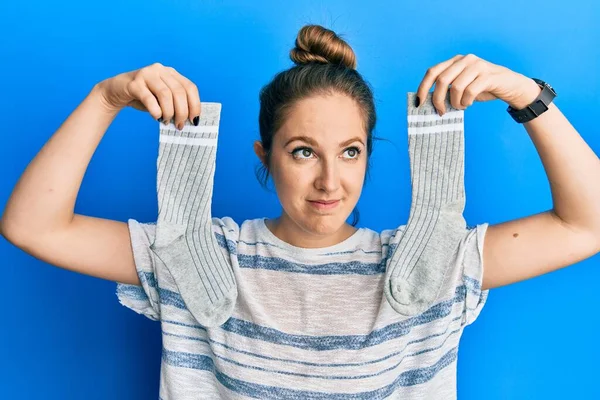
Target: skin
x,y
330,170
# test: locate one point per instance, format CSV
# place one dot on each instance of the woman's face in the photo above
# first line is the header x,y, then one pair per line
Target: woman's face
x,y
319,154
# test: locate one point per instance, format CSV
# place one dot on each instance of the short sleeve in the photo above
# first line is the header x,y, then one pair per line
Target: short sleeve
x,y
472,273
143,299
158,289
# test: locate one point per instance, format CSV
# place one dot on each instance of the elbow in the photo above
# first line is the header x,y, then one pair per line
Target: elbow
x,y
4,231
597,241
12,233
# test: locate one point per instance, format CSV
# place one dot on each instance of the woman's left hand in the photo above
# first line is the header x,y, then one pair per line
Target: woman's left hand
x,y
473,79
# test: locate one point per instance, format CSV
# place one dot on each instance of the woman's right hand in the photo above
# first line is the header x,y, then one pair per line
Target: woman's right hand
x,y
161,91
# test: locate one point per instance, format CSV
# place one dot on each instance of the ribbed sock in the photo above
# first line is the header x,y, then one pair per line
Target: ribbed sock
x,y
416,270
184,237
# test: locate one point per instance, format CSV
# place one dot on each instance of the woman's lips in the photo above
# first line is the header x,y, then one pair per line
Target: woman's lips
x,y
324,206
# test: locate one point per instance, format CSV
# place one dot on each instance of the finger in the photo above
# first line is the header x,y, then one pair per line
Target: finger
x,y
445,79
140,91
165,98
180,104
471,92
459,85
431,75
193,96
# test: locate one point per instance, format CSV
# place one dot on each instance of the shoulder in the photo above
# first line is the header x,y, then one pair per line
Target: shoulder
x,y
227,232
381,241
226,225
251,228
388,235
227,228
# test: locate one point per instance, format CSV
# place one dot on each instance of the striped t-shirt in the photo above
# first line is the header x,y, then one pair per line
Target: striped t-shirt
x,y
308,323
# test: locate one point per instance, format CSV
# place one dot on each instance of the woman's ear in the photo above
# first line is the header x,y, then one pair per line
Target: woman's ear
x,y
260,152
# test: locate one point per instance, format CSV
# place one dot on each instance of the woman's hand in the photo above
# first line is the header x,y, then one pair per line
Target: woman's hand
x,y
157,89
473,79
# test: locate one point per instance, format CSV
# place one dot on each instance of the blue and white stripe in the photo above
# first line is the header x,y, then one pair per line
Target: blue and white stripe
x,y
307,326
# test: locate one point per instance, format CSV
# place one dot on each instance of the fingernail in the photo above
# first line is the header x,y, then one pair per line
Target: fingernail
x,y
417,102
196,120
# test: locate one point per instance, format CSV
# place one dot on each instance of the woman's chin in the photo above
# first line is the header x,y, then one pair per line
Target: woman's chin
x,y
324,225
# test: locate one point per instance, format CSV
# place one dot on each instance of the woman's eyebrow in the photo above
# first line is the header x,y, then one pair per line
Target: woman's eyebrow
x,y
312,142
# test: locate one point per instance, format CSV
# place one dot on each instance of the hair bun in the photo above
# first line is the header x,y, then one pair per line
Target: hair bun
x,y
315,43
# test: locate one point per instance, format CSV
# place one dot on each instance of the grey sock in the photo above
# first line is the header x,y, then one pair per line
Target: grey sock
x,y
184,240
436,225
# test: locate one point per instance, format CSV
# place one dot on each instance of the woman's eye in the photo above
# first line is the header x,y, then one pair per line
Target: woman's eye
x,y
304,151
353,152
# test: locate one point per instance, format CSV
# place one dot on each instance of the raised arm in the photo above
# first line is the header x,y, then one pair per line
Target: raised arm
x,y
39,216
547,241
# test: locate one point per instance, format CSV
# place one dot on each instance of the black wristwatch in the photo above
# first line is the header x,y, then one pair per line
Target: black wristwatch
x,y
537,107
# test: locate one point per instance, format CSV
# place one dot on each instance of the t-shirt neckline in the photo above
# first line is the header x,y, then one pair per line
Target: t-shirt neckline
x,y
343,245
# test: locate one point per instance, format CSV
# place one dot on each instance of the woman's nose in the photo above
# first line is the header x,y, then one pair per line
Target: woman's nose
x,y
328,178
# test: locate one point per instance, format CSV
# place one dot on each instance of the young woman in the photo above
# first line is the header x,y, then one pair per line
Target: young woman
x,y
306,305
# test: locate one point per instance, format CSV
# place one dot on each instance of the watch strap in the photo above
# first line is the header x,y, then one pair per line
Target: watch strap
x,y
537,107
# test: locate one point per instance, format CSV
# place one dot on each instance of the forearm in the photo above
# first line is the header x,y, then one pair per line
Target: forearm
x,y
572,167
44,197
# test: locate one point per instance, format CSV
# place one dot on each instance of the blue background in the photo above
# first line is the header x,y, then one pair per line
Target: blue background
x,y
65,335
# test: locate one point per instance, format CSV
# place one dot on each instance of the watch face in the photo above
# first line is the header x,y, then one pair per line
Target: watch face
x,y
542,83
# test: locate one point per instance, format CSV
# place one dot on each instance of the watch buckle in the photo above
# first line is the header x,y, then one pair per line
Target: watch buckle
x,y
544,107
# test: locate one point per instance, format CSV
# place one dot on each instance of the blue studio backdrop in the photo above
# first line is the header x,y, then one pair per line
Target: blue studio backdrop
x,y
65,335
